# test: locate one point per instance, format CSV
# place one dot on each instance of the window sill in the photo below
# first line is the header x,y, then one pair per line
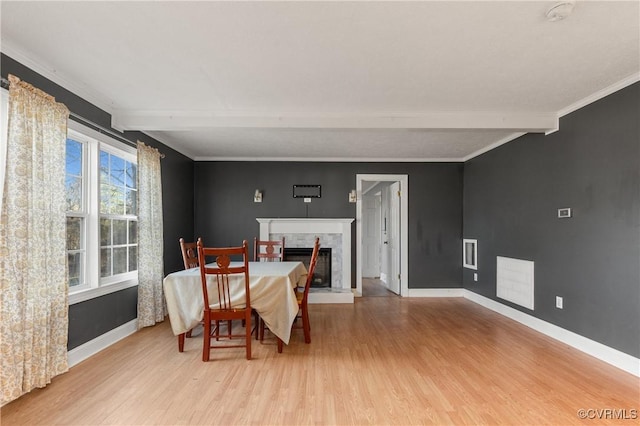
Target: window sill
x,y
92,293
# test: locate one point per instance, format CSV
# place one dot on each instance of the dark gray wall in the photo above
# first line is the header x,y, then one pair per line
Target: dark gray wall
x,y
511,195
592,260
94,317
90,319
226,214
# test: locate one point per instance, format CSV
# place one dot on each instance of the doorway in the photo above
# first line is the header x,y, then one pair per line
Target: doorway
x,y
382,231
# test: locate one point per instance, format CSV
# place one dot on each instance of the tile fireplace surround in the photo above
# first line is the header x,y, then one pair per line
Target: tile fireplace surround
x,y
333,233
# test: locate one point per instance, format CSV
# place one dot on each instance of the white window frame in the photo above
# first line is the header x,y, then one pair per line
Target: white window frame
x,y
94,285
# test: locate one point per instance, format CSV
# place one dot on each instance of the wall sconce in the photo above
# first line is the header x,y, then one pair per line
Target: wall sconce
x,y
257,196
353,197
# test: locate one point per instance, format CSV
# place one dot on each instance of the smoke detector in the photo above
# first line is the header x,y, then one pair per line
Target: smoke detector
x,y
560,11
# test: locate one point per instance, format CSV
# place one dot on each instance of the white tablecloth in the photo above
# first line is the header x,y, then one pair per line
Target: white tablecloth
x,y
272,295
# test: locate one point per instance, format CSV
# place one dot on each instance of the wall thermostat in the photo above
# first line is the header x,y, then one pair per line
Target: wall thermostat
x,y
564,213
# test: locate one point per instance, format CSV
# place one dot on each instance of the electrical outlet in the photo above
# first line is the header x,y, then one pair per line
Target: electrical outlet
x,y
559,302
475,276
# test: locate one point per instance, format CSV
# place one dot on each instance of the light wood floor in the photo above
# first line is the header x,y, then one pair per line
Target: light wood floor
x,y
379,361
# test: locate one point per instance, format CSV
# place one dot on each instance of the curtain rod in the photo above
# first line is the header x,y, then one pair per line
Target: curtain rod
x,y
4,83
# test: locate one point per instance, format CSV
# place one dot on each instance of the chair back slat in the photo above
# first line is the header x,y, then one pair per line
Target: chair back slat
x,y
225,301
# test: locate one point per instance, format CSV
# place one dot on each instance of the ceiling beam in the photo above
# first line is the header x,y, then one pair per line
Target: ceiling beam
x,y
193,120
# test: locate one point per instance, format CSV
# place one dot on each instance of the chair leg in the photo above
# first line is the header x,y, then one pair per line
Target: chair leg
x,y
258,322
181,342
249,336
306,326
206,340
280,344
261,329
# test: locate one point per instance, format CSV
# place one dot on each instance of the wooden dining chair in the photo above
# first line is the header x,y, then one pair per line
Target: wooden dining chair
x,y
190,259
268,251
302,293
189,254
223,309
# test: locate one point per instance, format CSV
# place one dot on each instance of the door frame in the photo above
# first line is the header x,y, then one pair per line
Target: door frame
x,y
404,228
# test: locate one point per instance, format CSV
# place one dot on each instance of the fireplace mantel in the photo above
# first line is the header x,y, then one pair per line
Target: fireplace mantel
x,y
340,292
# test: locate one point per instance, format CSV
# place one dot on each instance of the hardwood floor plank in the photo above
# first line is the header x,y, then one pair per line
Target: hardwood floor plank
x,y
380,361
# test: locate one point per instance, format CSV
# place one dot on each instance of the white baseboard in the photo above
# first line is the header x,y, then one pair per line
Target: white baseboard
x,y
604,353
436,292
92,347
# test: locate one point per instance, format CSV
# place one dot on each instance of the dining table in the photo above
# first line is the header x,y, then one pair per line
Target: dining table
x,y
271,289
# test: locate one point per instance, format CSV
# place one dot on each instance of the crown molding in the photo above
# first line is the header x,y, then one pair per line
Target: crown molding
x,y
487,148
633,78
58,78
333,159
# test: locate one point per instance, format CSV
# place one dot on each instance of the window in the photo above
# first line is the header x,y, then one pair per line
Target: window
x,y
118,222
102,222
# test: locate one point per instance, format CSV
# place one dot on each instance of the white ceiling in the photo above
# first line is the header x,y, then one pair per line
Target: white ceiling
x,y
357,81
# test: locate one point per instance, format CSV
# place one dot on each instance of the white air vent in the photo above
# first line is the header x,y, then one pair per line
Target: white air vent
x,y
514,281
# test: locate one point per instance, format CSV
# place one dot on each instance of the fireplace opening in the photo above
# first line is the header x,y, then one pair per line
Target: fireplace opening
x,y
322,275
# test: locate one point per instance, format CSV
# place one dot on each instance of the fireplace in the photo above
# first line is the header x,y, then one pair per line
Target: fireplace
x,y
322,274
334,234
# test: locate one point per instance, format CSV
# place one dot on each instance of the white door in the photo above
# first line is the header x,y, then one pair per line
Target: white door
x,y
371,236
363,182
394,238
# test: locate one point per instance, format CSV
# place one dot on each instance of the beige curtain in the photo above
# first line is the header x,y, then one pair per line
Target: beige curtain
x,y
150,238
33,273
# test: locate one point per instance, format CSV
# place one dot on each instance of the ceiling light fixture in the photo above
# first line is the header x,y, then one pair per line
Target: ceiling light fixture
x,y
560,11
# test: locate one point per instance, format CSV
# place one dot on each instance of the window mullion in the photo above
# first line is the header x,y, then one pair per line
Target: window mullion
x,y
93,214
